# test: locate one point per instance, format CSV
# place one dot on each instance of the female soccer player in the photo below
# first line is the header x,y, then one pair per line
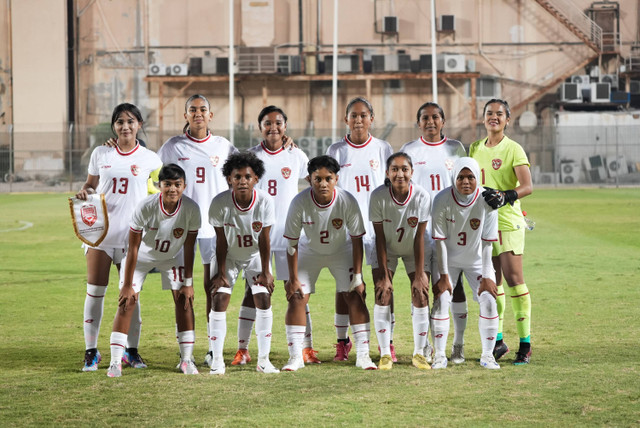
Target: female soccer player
x,y
362,159
399,211
506,177
283,170
121,174
163,233
333,227
242,217
464,227
433,156
201,155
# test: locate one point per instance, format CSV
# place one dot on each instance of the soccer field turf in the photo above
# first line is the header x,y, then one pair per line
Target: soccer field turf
x,y
582,266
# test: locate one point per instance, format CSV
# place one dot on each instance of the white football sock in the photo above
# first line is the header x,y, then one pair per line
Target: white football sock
x,y
93,308
264,323
208,334
341,322
393,325
488,322
218,323
420,319
459,312
440,322
118,342
295,337
361,335
246,317
382,323
135,328
308,332
186,340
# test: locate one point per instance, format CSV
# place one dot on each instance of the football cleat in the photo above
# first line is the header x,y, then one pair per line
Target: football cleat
x,y
217,367
310,356
115,370
522,358
242,357
208,359
188,367
420,362
364,362
265,366
440,362
393,354
428,353
499,350
132,359
488,362
91,359
293,364
457,354
386,362
342,350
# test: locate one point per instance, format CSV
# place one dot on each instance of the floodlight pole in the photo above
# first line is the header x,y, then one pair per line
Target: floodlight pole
x,y
434,60
231,76
334,78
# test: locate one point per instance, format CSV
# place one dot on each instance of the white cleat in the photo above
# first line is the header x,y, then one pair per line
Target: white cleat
x,y
115,370
428,353
188,367
365,363
457,354
208,359
488,362
265,366
217,367
293,364
440,362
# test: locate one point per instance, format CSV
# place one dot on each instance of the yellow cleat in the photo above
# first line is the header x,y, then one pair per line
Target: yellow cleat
x,y
386,363
420,362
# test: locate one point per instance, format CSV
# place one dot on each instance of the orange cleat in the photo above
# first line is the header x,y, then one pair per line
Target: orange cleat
x,y
310,356
242,357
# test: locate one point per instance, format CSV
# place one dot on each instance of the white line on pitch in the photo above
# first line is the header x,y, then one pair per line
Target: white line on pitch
x,y
26,225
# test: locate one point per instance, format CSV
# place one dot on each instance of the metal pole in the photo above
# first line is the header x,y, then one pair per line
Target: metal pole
x,y
231,75
434,59
334,78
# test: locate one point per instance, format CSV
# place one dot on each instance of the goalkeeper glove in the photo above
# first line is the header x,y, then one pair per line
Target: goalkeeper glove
x,y
497,198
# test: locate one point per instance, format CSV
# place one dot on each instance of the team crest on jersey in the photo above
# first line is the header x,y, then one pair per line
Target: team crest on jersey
x,y
214,160
337,223
374,164
177,232
496,164
256,226
448,164
286,172
135,170
413,221
89,214
475,223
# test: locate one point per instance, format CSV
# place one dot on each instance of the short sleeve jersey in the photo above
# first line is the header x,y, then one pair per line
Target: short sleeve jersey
x,y
202,162
463,227
164,233
433,162
327,228
399,219
497,170
283,169
362,169
123,180
242,226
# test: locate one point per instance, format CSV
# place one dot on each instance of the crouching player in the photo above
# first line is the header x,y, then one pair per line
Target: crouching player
x,y
399,211
329,216
163,233
242,218
464,228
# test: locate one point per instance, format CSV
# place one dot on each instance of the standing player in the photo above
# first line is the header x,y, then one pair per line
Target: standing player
x,y
464,228
242,217
283,170
162,236
433,156
121,174
362,159
506,178
201,155
328,216
399,211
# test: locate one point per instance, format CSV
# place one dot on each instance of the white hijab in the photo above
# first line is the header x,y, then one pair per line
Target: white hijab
x,y
472,165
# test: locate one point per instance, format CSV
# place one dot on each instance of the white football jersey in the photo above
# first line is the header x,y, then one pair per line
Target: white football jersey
x,y
327,228
163,233
202,162
399,219
433,162
242,226
123,180
463,227
283,169
362,170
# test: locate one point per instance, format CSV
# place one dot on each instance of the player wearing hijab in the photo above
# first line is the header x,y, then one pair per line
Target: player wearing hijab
x,y
464,228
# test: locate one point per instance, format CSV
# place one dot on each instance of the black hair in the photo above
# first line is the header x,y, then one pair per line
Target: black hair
x,y
171,171
186,107
499,101
323,161
390,159
270,109
243,160
126,108
362,100
435,105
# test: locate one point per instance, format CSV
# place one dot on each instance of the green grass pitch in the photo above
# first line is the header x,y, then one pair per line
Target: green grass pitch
x,y
582,266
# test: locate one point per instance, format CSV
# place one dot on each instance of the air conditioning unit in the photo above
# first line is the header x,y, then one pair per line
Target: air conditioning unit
x,y
612,79
594,166
209,65
157,70
178,69
569,172
634,86
548,178
425,63
404,62
452,63
620,97
323,144
570,93
471,65
617,166
390,24
309,145
600,93
446,23
346,63
377,63
487,88
583,80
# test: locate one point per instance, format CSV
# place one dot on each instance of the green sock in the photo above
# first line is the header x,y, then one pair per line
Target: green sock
x,y
521,303
500,301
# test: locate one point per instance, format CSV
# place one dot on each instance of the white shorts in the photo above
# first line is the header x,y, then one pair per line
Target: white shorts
x,y
207,249
252,268
281,265
171,272
340,264
473,275
116,253
369,250
409,260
